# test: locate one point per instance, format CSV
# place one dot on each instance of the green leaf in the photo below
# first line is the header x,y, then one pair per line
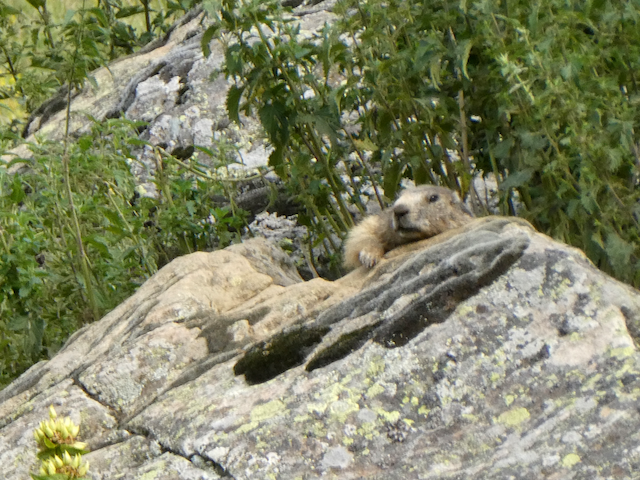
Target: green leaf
x,y
503,149
93,81
85,142
190,207
37,3
57,476
70,13
434,72
391,179
6,10
619,251
516,179
366,145
100,16
300,52
99,243
589,203
18,323
615,157
276,161
233,103
206,150
112,216
207,36
464,49
136,142
273,117
597,239
233,60
321,123
125,12
17,191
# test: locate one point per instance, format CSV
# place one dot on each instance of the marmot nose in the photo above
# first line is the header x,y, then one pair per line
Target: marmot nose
x,y
400,211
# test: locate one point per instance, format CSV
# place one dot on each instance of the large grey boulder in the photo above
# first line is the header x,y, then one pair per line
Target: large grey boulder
x,y
490,352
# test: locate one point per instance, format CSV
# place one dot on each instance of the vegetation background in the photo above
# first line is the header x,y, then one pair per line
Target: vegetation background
x,y
541,96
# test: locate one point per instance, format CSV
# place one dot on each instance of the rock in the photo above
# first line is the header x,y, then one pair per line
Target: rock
x,y
487,352
172,86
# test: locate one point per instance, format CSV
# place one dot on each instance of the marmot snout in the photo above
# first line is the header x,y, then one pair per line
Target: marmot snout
x,y
419,213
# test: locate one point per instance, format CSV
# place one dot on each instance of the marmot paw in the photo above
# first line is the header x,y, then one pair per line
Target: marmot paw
x,y
369,258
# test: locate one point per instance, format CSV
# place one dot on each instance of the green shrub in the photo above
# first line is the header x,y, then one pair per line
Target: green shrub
x,y
125,237
542,95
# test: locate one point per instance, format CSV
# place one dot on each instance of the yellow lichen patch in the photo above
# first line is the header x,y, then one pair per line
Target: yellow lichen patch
x,y
247,427
268,410
346,379
366,430
318,429
509,399
341,409
514,417
374,390
376,367
551,380
621,353
500,357
391,417
570,460
301,418
591,382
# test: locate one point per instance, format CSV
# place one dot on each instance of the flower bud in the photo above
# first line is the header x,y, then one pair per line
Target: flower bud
x,y
48,431
82,471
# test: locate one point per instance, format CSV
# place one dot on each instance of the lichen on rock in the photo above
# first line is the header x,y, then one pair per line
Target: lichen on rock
x,y
486,352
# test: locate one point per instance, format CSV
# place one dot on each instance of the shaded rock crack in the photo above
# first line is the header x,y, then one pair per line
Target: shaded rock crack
x,y
424,291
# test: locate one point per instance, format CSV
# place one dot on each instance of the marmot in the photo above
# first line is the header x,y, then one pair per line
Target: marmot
x,y
419,213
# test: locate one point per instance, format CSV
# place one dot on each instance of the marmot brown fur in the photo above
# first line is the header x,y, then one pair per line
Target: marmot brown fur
x,y
419,213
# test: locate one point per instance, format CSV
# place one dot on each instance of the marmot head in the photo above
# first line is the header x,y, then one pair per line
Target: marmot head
x,y
426,211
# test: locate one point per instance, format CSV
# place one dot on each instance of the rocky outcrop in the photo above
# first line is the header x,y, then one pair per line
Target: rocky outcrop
x,y
489,352
170,85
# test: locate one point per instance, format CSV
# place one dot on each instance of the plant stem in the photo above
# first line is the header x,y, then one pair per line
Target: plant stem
x,y
84,261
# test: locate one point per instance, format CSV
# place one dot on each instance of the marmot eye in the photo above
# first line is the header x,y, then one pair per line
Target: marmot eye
x,y
433,198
